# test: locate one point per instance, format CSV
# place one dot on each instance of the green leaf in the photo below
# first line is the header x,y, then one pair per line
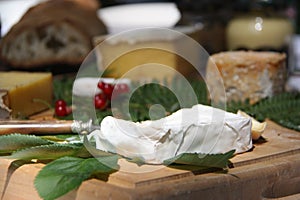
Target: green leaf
x,y
61,138
48,152
202,160
13,142
67,173
52,138
63,88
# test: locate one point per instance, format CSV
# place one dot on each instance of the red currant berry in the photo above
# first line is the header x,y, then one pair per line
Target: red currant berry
x,y
101,85
69,110
61,111
108,90
121,88
60,102
100,101
101,95
61,108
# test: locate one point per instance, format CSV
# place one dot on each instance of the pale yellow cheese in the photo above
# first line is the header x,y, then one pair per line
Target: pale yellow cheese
x,y
142,58
138,60
27,93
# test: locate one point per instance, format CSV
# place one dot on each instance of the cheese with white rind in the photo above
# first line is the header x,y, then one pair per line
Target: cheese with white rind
x,y
200,129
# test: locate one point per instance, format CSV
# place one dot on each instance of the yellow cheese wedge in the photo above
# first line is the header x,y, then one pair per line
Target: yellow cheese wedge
x,y
24,93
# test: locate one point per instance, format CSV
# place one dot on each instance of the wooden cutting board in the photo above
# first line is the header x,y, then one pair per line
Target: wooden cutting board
x,y
271,169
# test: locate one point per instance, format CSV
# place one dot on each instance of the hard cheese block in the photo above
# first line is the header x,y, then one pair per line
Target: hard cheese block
x,y
24,93
145,55
246,75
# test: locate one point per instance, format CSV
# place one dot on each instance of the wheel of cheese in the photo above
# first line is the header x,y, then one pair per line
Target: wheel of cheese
x,y
246,75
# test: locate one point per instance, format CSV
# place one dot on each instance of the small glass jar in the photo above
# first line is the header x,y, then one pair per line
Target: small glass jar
x,y
263,27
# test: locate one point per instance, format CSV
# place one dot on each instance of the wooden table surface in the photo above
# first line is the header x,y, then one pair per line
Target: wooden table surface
x,y
270,171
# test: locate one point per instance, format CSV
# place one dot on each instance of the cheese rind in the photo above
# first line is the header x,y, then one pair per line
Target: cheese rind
x,y
200,129
27,93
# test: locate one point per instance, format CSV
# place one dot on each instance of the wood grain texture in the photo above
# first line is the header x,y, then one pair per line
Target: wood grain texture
x,y
269,171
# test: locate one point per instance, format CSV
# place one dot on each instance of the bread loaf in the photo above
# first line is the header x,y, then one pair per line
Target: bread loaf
x,y
246,75
52,32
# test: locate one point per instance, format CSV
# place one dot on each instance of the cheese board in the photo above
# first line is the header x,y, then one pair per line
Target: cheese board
x,y
268,171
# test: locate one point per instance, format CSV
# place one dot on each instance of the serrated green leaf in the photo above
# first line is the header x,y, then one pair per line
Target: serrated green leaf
x,y
283,109
202,160
52,138
61,138
47,152
13,142
67,173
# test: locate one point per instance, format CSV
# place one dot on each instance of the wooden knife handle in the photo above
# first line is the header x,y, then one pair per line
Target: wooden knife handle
x,y
35,126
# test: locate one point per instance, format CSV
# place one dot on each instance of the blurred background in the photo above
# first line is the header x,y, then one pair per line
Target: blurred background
x,y
218,25
217,19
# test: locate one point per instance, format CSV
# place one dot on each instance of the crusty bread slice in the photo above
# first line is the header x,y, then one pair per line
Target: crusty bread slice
x,y
52,32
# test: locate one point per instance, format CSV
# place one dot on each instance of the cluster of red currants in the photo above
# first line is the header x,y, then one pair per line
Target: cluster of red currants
x,y
102,100
61,108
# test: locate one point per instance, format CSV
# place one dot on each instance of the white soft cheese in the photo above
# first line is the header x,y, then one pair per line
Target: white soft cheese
x,y
200,129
